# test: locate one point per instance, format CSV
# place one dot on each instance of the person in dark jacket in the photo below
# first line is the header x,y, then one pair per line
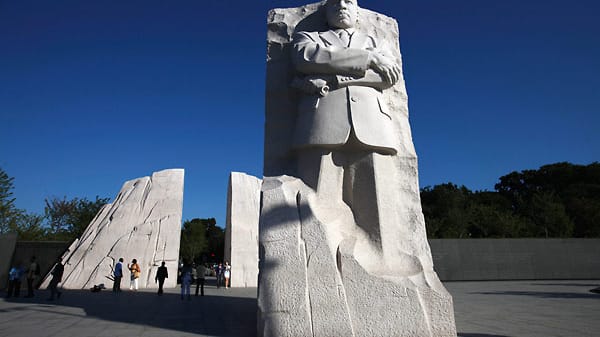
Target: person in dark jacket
x,y
57,273
118,275
220,271
161,275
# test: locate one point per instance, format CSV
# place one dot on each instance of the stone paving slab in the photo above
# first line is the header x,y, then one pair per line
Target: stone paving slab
x,y
482,309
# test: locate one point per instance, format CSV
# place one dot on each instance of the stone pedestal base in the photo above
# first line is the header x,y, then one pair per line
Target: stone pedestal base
x,y
308,288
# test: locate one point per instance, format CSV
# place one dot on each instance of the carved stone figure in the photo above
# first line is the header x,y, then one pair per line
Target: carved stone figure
x,y
343,249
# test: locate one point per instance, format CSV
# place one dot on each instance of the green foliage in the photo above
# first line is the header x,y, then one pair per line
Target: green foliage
x,y
562,199
9,214
558,200
456,212
202,240
30,227
193,239
68,219
216,240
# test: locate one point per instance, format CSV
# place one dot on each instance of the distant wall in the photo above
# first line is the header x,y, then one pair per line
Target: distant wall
x,y
7,248
46,253
516,259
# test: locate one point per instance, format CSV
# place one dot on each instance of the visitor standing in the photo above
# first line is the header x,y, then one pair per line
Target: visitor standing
x,y
194,273
118,275
186,280
161,274
135,270
201,271
32,274
220,273
14,281
227,274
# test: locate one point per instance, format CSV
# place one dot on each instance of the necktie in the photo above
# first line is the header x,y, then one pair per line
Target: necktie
x,y
345,37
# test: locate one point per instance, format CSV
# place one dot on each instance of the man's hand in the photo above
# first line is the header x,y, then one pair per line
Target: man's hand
x,y
385,66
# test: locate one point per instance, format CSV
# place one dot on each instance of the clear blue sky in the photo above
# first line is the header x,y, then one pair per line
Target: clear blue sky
x,y
94,93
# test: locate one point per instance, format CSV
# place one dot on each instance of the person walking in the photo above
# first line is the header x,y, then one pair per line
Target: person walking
x,y
161,274
227,274
32,274
57,274
118,275
201,272
135,270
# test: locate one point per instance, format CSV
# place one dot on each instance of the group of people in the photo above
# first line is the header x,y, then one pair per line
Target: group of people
x,y
189,273
192,273
32,274
223,273
15,276
135,272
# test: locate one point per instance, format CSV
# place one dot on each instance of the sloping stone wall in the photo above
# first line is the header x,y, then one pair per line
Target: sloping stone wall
x,y
143,223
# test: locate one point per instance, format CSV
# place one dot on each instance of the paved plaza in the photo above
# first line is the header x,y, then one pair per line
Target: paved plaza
x,y
483,309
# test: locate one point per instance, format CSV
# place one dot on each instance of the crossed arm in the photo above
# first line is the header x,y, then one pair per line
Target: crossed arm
x,y
350,66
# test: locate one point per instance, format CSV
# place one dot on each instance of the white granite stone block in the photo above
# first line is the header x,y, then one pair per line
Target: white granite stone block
x,y
241,231
143,223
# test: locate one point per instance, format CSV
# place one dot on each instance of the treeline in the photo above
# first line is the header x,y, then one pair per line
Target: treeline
x,y
66,219
557,200
63,219
560,200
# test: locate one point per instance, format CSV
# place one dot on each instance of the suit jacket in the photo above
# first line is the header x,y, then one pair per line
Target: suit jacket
x,y
354,101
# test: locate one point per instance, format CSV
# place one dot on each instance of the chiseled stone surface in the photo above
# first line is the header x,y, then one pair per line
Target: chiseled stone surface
x,y
241,231
143,223
343,248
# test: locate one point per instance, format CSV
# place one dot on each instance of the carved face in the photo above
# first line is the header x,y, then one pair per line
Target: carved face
x,y
342,13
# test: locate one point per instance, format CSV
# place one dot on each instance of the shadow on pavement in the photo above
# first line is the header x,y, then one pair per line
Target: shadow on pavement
x,y
583,285
542,294
221,313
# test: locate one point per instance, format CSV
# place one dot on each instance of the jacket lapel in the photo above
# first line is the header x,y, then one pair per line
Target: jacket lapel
x,y
331,38
358,40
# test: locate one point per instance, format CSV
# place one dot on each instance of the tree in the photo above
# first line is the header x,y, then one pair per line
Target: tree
x,y
9,214
549,216
560,200
193,239
30,227
85,211
216,240
457,212
202,240
67,219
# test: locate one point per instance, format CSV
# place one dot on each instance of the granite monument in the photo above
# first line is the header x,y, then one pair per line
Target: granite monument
x,y
342,243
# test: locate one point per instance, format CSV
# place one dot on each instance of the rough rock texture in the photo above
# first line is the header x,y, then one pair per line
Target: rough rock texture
x,y
143,223
329,267
241,231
